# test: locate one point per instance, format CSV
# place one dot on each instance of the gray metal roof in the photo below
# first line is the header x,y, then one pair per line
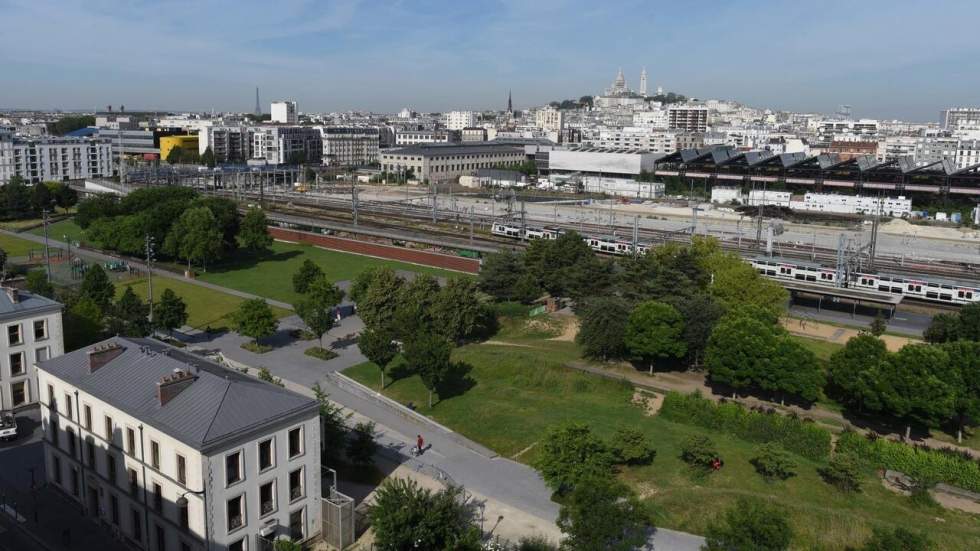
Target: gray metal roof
x,y
27,304
220,405
433,149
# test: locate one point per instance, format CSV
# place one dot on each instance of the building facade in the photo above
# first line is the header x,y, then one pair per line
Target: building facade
x,y
32,333
285,112
184,142
413,137
40,159
458,120
229,144
693,118
447,162
283,144
598,170
350,146
960,116
175,453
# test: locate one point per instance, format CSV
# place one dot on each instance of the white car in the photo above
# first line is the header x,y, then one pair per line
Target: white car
x,y
8,426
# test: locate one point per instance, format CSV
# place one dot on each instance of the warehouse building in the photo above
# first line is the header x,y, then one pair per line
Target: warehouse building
x,y
447,162
600,170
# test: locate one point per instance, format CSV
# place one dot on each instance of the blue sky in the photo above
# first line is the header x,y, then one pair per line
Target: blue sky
x,y
889,59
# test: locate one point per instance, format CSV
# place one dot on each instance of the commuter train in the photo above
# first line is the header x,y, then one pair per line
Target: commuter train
x,y
929,289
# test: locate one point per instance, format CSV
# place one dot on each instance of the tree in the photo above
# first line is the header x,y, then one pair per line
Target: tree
x,y
317,307
82,323
963,376
751,524
207,158
405,516
630,447
968,327
377,306
16,199
793,370
735,282
853,372
70,123
307,273
361,446
170,313
700,313
655,331
359,285
379,347
457,311
414,306
131,315
64,195
254,232
95,207
283,544
428,355
773,462
603,323
175,155
699,451
333,426
226,216
41,197
255,319
943,328
535,543
194,236
37,283
572,453
602,513
878,326
913,385
739,350
897,539
567,266
97,286
842,472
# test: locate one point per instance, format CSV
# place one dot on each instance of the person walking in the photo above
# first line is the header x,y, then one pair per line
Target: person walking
x,y
419,445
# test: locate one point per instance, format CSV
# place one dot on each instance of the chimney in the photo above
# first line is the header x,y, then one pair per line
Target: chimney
x,y
171,386
12,294
100,355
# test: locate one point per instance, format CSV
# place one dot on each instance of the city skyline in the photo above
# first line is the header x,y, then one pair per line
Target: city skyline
x,y
886,60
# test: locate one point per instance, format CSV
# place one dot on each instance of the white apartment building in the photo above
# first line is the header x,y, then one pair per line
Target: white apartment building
x,y
960,116
656,118
896,147
280,144
458,120
967,153
633,137
549,119
350,146
34,333
285,112
769,197
175,453
413,137
854,204
693,118
40,159
230,144
847,130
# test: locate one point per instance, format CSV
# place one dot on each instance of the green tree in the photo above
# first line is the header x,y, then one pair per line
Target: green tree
x,y
878,326
207,158
226,216
914,385
699,451
457,311
359,285
379,347
96,207
333,425
968,327
603,323
307,273
405,516
170,313
377,306
286,545
265,375
194,237
37,283
254,232
897,539
773,462
500,273
255,319
963,376
749,525
361,445
82,324
735,282
842,472
700,313
567,266
41,197
317,307
131,315
97,286
739,351
655,331
572,453
70,123
535,543
602,513
414,306
175,155
64,195
853,372
428,355
794,370
630,447
943,328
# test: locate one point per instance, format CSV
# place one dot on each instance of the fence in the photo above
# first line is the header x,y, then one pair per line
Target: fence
x,y
337,516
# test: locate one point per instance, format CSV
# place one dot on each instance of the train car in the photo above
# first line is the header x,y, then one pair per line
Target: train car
x,y
506,230
794,270
610,245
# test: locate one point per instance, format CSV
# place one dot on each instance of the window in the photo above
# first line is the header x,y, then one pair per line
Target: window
x,y
137,523
70,437
154,454
110,467
296,524
40,329
41,354
74,481
17,363
130,441
237,546
88,417
13,334
133,481
56,467
108,428
236,512
161,538
267,498
55,437
295,442
266,458
296,484
68,410
157,496
52,401
181,469
183,516
18,393
114,508
233,468
90,452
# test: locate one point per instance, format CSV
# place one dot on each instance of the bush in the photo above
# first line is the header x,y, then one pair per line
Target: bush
x,y
842,473
773,463
320,353
793,434
918,463
898,539
535,543
750,524
630,447
699,451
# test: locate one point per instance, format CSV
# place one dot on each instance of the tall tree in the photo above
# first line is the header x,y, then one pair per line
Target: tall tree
x,y
603,324
570,454
254,231
655,331
255,319
794,370
377,305
307,273
130,315
457,311
97,286
405,516
700,313
83,323
913,385
943,328
317,307
207,158
963,376
739,351
194,237
170,313
379,347
428,355
751,524
414,308
853,372
602,513
41,197
361,445
500,273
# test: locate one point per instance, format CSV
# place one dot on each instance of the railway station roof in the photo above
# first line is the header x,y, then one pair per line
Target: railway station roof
x,y
860,295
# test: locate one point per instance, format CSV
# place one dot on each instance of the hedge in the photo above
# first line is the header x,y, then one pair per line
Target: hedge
x,y
919,463
795,435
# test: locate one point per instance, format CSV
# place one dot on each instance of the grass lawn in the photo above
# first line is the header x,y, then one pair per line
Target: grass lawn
x,y
271,275
15,246
60,229
521,390
821,348
204,306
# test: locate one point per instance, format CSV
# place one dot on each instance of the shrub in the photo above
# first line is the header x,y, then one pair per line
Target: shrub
x,y
773,463
793,434
918,463
842,473
899,539
630,447
535,543
699,451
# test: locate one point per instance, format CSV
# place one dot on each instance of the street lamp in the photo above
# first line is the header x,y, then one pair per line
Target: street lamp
x,y
182,502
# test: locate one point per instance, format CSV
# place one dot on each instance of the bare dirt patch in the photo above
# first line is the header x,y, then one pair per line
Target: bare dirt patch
x,y
569,329
835,334
651,402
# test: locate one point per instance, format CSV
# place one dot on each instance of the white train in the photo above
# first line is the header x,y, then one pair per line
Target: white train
x,y
929,289
607,245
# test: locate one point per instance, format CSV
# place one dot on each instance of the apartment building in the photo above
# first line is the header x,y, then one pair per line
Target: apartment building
x,y
42,158
32,325
633,137
447,162
285,112
285,144
413,137
458,120
350,146
230,144
960,116
693,118
176,453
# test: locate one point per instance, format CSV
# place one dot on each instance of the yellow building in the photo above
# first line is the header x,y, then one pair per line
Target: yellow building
x,y
186,143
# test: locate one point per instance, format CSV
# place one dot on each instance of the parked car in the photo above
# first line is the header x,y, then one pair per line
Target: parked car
x,y
8,426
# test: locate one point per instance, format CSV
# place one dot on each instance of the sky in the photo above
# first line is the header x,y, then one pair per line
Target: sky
x,y
904,59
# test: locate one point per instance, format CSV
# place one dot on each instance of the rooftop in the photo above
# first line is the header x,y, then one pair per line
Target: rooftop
x,y
15,303
211,406
466,148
